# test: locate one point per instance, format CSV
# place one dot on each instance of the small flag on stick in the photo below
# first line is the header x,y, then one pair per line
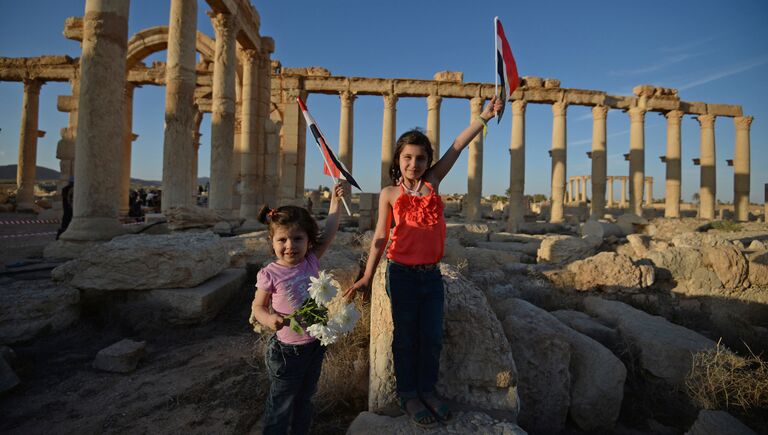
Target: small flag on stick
x,y
506,68
331,165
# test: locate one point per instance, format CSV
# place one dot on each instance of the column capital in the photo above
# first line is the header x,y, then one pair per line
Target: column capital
x,y
559,108
347,98
706,121
636,114
290,95
599,112
433,102
223,24
32,86
742,122
251,56
518,107
390,100
477,102
674,116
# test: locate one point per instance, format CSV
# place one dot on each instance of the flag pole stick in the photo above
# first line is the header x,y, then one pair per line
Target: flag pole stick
x,y
335,180
496,59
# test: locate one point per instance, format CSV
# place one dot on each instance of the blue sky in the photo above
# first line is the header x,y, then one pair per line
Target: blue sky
x,y
711,51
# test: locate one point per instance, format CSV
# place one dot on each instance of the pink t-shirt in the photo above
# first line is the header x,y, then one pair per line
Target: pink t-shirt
x,y
288,286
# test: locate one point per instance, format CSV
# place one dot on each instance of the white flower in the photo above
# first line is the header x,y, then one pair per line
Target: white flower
x,y
345,319
322,288
327,335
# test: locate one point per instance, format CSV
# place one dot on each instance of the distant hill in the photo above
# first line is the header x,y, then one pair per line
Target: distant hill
x,y
8,172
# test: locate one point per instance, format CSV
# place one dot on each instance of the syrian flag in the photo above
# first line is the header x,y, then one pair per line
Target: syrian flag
x,y
332,167
505,67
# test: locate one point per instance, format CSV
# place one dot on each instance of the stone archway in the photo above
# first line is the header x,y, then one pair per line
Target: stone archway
x,y
154,39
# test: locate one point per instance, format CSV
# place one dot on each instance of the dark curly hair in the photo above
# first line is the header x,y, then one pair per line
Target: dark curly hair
x,y
410,137
290,216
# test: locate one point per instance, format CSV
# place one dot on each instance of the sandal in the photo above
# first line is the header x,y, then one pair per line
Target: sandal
x,y
442,411
422,418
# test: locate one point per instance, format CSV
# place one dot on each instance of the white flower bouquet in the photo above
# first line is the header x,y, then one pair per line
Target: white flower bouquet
x,y
314,311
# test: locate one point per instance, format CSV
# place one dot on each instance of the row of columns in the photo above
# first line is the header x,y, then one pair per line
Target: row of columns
x,y
577,190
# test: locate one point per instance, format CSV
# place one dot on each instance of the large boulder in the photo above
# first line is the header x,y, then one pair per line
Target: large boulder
x,y
591,327
368,423
729,264
144,262
610,272
676,262
249,248
596,388
181,218
631,223
758,268
565,249
664,349
600,229
718,422
476,364
30,308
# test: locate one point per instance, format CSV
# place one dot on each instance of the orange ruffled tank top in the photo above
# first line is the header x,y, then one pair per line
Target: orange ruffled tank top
x,y
419,234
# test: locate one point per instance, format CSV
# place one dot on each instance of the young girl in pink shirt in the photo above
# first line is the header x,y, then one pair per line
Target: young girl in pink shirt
x,y
293,360
414,282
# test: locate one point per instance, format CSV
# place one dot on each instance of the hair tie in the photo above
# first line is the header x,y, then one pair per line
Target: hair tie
x,y
271,213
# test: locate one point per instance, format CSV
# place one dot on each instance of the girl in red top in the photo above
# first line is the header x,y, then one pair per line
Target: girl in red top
x,y
414,283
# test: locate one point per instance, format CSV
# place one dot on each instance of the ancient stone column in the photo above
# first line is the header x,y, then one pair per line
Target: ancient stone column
x,y
433,124
475,166
179,105
271,162
569,192
249,135
346,128
223,113
388,137
128,138
294,135
27,167
741,168
623,202
610,192
599,160
98,146
584,196
65,148
636,159
708,189
674,172
264,101
559,153
517,167
649,191
193,170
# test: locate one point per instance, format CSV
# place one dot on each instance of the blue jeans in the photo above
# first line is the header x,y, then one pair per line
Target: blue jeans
x,y
416,294
294,371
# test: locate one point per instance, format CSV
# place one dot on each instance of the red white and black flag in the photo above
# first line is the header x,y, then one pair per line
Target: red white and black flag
x,y
332,166
506,68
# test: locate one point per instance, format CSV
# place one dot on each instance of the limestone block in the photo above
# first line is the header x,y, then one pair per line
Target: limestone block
x,y
591,327
565,249
180,218
468,234
678,263
121,357
639,243
369,201
757,245
609,272
249,248
718,422
476,365
728,263
664,349
600,229
631,223
144,262
532,82
368,423
449,76
596,388
758,268
551,83
8,378
523,248
30,308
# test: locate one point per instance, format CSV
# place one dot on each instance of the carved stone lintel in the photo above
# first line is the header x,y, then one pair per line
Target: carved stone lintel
x,y
706,121
347,98
599,112
742,122
518,107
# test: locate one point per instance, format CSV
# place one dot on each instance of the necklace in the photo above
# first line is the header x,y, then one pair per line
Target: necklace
x,y
414,192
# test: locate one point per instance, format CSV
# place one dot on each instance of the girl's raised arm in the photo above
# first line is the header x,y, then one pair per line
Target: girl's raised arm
x,y
331,222
443,166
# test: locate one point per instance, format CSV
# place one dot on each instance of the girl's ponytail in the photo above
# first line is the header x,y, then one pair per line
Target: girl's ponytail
x,y
263,215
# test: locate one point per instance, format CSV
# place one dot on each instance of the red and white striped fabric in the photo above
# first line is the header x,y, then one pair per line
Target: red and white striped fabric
x,y
506,68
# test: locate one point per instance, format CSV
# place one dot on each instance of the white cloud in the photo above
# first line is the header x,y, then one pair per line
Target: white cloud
x,y
726,73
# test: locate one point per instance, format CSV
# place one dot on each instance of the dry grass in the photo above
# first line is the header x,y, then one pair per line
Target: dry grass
x,y
343,387
720,379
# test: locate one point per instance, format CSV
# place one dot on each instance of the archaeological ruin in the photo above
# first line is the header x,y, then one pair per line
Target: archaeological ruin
x,y
578,305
